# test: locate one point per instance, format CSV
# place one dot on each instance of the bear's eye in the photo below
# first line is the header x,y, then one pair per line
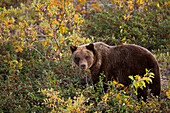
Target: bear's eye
x,y
77,59
87,57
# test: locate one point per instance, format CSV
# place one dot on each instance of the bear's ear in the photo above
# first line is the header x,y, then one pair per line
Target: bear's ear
x,y
90,47
73,48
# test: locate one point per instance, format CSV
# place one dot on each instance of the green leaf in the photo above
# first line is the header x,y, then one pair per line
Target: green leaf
x,y
151,73
143,84
131,77
135,83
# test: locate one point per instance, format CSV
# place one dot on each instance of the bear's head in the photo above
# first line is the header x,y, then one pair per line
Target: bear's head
x,y
83,56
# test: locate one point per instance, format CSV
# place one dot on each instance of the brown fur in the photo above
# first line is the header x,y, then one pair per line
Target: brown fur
x,y
117,62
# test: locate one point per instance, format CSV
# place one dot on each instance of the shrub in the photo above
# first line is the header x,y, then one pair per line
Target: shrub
x,y
34,56
146,25
115,100
32,41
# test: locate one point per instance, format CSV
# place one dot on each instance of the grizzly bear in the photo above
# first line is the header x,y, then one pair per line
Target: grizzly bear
x,y
118,62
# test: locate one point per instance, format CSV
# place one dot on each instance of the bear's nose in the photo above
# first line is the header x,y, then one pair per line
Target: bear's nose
x,y
83,65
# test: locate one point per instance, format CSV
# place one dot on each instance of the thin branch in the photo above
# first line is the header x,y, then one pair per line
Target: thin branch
x,y
42,56
54,35
44,36
38,52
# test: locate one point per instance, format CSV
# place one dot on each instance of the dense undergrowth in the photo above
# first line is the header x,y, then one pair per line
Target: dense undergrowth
x,y
35,69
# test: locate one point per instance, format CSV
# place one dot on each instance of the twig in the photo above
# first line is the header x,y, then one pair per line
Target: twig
x,y
42,56
44,36
38,52
46,57
54,36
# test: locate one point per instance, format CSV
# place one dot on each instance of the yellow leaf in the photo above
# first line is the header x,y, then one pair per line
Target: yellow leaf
x,y
63,29
131,106
120,5
33,38
30,45
6,22
124,43
120,85
16,50
168,94
13,20
83,2
20,49
83,12
62,23
94,5
44,43
59,19
6,40
114,82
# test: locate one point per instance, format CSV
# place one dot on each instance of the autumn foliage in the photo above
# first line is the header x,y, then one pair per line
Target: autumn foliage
x,y
35,70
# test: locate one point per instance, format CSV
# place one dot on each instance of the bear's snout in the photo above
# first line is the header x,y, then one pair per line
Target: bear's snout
x,y
83,66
